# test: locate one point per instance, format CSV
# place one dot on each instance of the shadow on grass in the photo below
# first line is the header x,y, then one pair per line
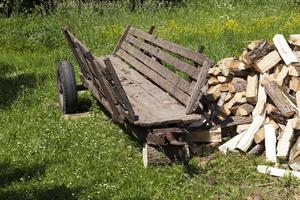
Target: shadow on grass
x,y
12,85
10,174
22,175
52,192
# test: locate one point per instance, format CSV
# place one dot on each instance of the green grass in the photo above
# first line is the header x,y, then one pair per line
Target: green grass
x,y
43,156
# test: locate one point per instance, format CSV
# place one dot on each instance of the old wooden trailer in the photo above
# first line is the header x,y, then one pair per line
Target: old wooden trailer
x,y
140,84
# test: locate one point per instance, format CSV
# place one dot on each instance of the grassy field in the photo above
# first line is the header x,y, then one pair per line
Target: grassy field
x,y
43,156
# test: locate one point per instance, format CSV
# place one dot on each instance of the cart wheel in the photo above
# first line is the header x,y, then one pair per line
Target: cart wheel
x,y
66,87
152,156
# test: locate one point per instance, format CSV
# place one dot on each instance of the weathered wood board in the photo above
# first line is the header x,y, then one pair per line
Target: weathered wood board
x,y
150,103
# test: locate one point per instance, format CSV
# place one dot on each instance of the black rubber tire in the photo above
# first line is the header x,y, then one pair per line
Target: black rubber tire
x,y
66,87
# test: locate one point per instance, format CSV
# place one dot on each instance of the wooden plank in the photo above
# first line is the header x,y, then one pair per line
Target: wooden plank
x,y
70,38
122,38
277,171
284,50
158,68
284,142
268,62
197,94
116,115
163,83
119,92
282,102
157,52
205,135
185,52
252,88
270,142
248,137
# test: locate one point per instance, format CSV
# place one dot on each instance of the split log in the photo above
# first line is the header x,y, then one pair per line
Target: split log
x,y
205,135
153,156
296,123
259,136
247,138
227,87
239,84
298,101
294,84
242,127
226,109
257,149
235,120
274,114
214,71
231,144
213,93
284,142
295,164
213,81
282,102
252,88
294,39
294,159
223,79
267,62
297,54
294,70
270,142
228,96
282,75
254,44
259,50
278,69
276,171
284,50
259,108
244,109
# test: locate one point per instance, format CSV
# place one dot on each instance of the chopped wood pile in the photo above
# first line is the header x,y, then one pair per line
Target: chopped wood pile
x,y
258,94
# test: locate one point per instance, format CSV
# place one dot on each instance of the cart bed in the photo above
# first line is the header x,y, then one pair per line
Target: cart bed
x,y
150,103
133,83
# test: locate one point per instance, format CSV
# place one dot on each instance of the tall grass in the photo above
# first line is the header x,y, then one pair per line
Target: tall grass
x,y
45,157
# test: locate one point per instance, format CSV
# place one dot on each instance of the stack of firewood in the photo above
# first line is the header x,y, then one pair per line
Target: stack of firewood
x,y
260,93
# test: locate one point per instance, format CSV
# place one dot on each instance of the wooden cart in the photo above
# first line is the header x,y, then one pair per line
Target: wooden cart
x,y
141,86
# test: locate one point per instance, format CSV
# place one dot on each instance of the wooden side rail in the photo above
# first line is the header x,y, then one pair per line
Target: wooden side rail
x,y
149,55
102,80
